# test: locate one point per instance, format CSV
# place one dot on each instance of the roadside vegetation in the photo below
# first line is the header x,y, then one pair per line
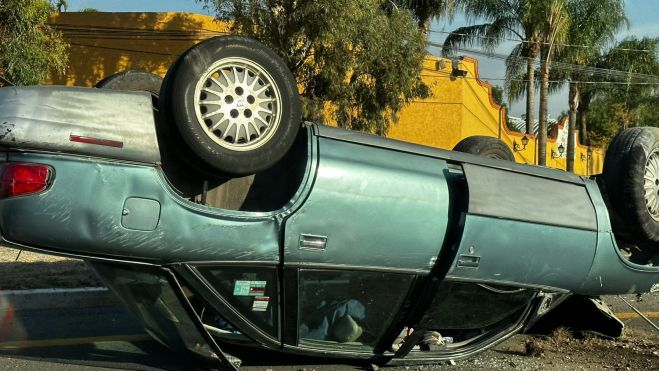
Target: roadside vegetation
x,y
29,48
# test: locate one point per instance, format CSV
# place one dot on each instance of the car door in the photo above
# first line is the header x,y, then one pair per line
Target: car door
x,y
373,223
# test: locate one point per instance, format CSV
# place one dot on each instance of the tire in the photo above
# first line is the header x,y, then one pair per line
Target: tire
x,y
631,177
234,103
485,146
133,80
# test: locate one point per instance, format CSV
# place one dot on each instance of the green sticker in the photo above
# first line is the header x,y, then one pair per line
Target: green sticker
x,y
241,288
249,288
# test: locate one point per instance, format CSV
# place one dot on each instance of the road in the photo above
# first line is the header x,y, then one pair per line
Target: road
x,y
96,332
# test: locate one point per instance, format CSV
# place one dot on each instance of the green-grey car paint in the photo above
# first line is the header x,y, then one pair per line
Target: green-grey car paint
x,y
379,204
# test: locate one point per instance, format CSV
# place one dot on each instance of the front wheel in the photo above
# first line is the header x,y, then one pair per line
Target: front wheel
x,y
631,175
133,80
235,104
485,146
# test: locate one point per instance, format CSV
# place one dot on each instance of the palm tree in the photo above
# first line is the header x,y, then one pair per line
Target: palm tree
x,y
425,10
503,19
555,21
594,23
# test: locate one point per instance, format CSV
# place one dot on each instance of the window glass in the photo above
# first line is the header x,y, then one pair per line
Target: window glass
x,y
348,309
461,311
251,291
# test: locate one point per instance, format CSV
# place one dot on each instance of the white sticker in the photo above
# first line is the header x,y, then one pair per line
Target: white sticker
x,y
260,304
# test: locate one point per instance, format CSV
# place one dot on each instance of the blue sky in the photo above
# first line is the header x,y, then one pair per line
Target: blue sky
x,y
643,18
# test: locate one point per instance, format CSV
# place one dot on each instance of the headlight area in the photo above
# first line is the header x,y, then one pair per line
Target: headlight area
x,y
23,179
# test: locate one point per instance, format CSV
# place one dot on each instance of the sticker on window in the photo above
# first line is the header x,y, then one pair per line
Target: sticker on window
x,y
249,288
260,304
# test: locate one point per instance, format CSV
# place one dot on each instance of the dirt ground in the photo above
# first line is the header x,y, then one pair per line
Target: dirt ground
x,y
637,349
27,270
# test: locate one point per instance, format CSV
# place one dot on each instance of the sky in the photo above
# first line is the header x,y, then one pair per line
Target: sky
x,y
643,18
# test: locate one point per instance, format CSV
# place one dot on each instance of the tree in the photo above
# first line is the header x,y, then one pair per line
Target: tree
x,y
628,95
362,57
425,10
61,6
555,21
29,48
497,95
505,19
594,23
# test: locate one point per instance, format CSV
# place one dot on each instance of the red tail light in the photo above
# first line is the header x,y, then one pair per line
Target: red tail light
x,y
17,179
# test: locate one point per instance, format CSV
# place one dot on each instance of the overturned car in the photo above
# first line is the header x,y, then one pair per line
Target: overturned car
x,y
222,221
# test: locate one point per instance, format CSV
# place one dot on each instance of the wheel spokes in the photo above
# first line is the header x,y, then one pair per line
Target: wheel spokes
x,y
651,184
238,104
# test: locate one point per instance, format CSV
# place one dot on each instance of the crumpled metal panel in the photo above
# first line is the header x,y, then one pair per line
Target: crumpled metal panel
x,y
45,117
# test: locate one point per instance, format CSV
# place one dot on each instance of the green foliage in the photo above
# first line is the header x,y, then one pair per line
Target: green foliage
x,y
627,103
29,48
425,10
497,95
360,55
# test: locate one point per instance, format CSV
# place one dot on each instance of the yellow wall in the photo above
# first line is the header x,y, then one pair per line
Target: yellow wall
x,y
106,43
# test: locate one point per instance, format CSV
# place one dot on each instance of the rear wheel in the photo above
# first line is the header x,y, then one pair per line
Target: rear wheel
x,y
631,176
485,146
235,104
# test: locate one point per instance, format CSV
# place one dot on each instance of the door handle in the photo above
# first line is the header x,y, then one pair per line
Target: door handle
x,y
309,241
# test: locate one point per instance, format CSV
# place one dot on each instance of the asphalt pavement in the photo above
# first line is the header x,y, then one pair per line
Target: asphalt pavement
x,y
79,329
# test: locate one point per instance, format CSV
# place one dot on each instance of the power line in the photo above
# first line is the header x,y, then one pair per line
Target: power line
x,y
552,81
568,67
115,33
541,43
67,26
122,49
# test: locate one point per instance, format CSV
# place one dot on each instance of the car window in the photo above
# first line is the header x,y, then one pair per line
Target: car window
x,y
461,311
347,309
251,291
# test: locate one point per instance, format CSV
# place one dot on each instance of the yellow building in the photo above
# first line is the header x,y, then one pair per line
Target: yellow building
x,y
461,104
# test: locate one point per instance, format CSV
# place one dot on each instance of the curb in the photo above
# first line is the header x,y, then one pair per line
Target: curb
x,y
39,299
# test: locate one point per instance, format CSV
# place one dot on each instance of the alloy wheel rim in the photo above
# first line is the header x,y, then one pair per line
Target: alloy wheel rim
x,y
651,184
238,104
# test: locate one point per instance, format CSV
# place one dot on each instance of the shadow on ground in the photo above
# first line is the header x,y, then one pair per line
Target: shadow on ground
x,y
37,275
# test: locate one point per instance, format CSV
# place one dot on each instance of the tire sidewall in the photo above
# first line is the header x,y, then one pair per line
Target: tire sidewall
x,y
624,172
647,142
485,146
192,67
132,80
